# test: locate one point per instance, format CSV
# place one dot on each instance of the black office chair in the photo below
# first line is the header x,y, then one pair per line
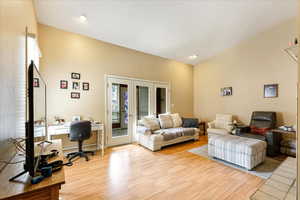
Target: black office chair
x,y
80,131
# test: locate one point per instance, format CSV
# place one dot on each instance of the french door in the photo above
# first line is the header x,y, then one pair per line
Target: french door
x,y
128,101
119,111
161,99
143,102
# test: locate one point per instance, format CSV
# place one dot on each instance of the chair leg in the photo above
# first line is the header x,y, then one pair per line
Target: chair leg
x,y
74,156
87,152
70,154
80,145
85,156
80,153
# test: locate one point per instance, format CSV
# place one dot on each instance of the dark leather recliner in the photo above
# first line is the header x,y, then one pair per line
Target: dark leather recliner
x,y
261,119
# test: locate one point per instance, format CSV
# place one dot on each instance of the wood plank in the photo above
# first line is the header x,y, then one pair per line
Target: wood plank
x,y
133,172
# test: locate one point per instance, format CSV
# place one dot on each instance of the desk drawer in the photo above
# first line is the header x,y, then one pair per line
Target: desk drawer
x,y
59,131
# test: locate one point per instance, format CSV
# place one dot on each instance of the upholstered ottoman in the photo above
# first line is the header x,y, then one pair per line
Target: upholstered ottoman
x,y
245,152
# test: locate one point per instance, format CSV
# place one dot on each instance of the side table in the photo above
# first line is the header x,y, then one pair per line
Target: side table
x,y
287,142
202,125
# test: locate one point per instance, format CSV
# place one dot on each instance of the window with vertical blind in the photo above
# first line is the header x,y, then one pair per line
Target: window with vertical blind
x,y
33,50
33,53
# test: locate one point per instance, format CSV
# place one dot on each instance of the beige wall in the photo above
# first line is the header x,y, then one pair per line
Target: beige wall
x,y
65,52
15,15
247,67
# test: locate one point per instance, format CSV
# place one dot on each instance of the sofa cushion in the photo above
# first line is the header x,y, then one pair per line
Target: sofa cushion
x,y
223,120
151,123
263,119
257,130
177,121
173,133
190,122
165,121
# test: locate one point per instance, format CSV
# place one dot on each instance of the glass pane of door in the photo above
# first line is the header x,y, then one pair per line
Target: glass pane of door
x,y
119,107
161,100
142,102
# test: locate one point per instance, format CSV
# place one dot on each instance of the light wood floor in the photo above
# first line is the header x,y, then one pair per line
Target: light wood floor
x,y
133,172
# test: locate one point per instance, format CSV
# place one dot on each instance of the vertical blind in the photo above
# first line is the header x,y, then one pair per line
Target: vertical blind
x,y
33,53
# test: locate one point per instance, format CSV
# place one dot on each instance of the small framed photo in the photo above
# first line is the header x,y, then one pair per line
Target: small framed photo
x,y
85,86
226,91
36,82
76,118
271,91
75,76
63,84
75,95
76,85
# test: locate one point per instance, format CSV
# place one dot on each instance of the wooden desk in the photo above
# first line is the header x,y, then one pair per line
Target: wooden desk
x,y
48,189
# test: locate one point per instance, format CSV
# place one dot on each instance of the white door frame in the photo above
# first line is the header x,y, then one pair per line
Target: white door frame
x,y
133,83
113,141
150,102
168,96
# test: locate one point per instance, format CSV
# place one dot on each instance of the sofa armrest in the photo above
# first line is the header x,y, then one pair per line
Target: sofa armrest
x,y
273,141
239,130
143,130
211,124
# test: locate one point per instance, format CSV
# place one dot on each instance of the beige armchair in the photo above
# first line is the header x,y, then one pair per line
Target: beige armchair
x,y
222,125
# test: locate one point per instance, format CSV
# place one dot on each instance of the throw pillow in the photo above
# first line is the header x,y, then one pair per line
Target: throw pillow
x,y
190,123
177,121
165,121
151,122
260,131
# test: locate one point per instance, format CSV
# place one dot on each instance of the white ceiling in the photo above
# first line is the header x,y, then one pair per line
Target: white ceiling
x,y
173,29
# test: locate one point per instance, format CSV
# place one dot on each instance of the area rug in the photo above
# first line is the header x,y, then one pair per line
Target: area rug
x,y
263,170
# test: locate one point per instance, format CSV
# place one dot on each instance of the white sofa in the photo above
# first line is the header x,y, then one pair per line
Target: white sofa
x,y
222,125
156,139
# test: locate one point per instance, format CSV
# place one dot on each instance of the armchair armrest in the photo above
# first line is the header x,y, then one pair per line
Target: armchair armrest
x,y
211,124
273,141
229,126
242,129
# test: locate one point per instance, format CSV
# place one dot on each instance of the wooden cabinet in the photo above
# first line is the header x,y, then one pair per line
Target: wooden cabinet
x,y
48,189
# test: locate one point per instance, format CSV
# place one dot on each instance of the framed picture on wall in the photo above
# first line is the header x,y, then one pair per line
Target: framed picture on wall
x,y
226,91
75,95
63,84
271,91
85,86
36,82
75,76
76,85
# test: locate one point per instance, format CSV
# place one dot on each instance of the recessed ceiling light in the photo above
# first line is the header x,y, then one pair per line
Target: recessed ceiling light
x,y
83,18
193,56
